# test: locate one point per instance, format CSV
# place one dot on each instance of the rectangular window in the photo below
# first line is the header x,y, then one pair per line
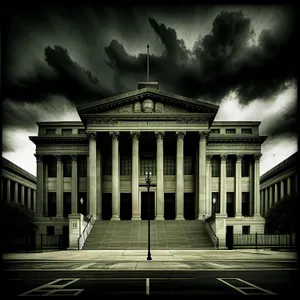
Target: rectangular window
x,y
50,131
67,165
246,229
126,165
52,166
245,204
50,230
230,205
230,167
188,165
246,130
67,207
81,131
215,131
230,131
66,132
51,204
215,167
82,166
215,202
148,164
169,165
245,167
107,165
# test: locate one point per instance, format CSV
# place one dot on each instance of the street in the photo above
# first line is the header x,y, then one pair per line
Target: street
x,y
78,280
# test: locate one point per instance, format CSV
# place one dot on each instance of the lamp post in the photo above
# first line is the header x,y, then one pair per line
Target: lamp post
x,y
81,207
148,182
214,205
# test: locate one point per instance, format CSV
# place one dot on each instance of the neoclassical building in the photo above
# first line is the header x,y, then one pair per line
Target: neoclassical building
x,y
198,166
278,182
17,185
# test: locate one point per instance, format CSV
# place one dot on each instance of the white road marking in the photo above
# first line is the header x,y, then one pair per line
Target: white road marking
x,y
222,266
84,266
147,286
249,286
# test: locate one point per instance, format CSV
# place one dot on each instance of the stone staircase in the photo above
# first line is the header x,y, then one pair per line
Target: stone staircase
x,y
170,234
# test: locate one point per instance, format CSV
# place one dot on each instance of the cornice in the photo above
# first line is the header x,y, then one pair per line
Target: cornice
x,y
237,138
58,140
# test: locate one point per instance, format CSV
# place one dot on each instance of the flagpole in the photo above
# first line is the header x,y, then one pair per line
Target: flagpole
x,y
148,79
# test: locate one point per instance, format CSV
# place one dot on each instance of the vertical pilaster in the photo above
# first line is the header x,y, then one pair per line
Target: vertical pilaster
x,y
93,173
238,186
16,200
275,192
99,184
29,197
257,157
251,193
180,176
223,195
34,201
160,196
202,173
135,176
115,177
281,189
8,190
59,187
288,182
39,185
208,203
74,192
266,200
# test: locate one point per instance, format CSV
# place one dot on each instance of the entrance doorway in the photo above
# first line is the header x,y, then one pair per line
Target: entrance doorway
x,y
229,237
189,206
106,206
169,206
65,237
144,205
125,206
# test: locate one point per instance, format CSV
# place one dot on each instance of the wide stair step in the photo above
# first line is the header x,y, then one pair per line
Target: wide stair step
x,y
168,234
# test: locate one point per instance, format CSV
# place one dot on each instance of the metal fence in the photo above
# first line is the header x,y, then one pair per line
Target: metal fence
x,y
51,242
257,240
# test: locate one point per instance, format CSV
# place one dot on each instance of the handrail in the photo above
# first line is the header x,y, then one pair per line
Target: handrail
x,y
85,232
211,232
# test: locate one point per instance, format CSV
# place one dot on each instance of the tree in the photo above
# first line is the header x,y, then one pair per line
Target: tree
x,y
281,217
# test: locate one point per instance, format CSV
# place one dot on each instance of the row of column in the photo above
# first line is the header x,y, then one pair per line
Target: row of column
x,y
16,194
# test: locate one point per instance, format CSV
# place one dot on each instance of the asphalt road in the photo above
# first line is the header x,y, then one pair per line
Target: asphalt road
x,y
185,282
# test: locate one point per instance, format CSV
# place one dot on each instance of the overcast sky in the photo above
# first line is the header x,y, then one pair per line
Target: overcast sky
x,y
242,58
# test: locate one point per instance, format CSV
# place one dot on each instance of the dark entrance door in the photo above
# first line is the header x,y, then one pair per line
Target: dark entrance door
x,y
125,209
170,206
65,237
106,206
229,237
144,206
189,206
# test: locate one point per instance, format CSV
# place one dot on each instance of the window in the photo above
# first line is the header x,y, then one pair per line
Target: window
x,y
52,166
107,165
215,167
50,131
81,131
215,131
82,166
230,205
188,165
67,164
169,165
246,229
51,204
50,230
230,131
247,130
67,204
245,204
66,132
147,164
230,167
126,165
245,167
215,203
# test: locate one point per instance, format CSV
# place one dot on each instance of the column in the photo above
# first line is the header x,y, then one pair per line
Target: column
x,y
180,176
99,185
257,184
238,186
288,182
16,193
281,189
208,186
160,196
93,174
8,190
223,195
202,173
59,187
275,193
135,176
266,200
251,198
261,201
115,177
74,192
29,197
270,196
23,195
34,201
39,186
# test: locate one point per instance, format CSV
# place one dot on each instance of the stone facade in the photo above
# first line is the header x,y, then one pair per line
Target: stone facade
x,y
199,166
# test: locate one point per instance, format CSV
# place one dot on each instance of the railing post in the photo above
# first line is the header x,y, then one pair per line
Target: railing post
x,y
256,241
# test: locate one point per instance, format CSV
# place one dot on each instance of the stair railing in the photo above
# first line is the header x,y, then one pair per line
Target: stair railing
x,y
210,231
85,233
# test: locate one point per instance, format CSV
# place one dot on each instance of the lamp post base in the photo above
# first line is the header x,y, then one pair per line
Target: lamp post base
x,y
149,257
